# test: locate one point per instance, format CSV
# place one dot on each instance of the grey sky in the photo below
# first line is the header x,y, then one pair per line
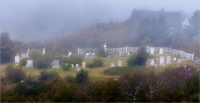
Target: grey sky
x,y
52,18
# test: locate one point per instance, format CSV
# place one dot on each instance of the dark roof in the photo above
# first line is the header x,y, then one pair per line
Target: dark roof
x,y
172,18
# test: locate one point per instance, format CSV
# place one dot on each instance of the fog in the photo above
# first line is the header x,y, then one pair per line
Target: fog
x,y
46,19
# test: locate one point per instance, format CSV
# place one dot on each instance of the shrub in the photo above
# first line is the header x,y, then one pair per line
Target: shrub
x,y
43,61
23,62
97,62
44,75
15,74
70,79
139,59
101,52
81,76
66,67
118,70
75,59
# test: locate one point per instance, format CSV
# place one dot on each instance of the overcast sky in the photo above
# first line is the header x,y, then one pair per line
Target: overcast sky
x,y
42,18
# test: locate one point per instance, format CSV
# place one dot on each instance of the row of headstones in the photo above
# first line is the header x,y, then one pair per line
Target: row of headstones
x,y
113,64
89,55
162,60
160,51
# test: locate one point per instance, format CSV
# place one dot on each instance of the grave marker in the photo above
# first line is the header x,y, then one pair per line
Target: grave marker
x,y
161,60
17,59
83,65
76,65
168,60
152,62
112,64
119,63
29,63
23,56
152,51
55,64
161,51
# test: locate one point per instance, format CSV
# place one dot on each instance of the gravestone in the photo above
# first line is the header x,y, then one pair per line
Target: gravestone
x,y
27,53
93,54
43,51
76,65
78,69
152,51
123,54
90,55
174,58
119,63
83,65
29,63
23,56
55,64
161,51
17,59
112,64
168,60
86,55
120,52
155,65
72,65
161,60
179,61
69,54
110,55
152,62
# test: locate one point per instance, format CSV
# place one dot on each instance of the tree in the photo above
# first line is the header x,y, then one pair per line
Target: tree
x,y
139,59
194,21
81,76
101,52
7,48
15,74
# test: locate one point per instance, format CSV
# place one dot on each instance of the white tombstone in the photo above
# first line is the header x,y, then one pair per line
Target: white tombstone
x,y
93,54
83,65
112,64
27,53
76,65
174,58
78,69
161,51
43,51
29,63
152,51
179,61
119,63
87,54
17,59
72,65
69,54
23,56
152,62
168,60
161,60
55,64
155,65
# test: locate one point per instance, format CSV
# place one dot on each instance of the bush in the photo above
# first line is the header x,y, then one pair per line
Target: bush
x,y
43,61
118,70
44,75
75,59
66,67
139,59
15,74
97,62
70,79
23,62
101,52
81,76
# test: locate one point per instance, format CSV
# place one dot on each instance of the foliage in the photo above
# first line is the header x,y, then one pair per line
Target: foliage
x,y
70,79
118,70
6,48
44,75
81,76
66,67
97,62
139,59
194,20
15,74
75,59
101,52
23,62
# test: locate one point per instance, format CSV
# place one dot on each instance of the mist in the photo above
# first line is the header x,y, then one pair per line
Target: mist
x,y
48,19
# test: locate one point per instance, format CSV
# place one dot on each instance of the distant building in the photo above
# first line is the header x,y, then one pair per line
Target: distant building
x,y
175,20
195,39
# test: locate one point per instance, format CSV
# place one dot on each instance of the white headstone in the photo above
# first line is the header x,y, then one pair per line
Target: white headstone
x,y
83,65
112,64
43,51
55,64
78,69
168,60
152,51
93,54
76,65
174,58
17,59
27,53
152,62
179,61
161,60
86,55
155,65
29,63
23,56
119,63
72,65
69,54
161,51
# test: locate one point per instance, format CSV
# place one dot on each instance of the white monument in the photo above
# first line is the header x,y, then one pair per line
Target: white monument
x,y
161,60
23,56
152,62
69,54
161,51
119,63
152,51
78,69
76,65
29,63
168,60
112,64
174,58
83,65
43,51
72,65
17,59
55,64
27,53
179,61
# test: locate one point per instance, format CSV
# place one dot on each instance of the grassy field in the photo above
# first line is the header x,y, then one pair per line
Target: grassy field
x,y
97,73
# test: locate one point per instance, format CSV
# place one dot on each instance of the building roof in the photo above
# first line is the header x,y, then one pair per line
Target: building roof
x,y
172,18
195,38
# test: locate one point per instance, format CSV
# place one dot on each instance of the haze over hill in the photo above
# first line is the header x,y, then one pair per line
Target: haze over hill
x,y
45,19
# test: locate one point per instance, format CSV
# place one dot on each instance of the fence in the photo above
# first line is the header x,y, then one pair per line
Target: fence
x,y
127,49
